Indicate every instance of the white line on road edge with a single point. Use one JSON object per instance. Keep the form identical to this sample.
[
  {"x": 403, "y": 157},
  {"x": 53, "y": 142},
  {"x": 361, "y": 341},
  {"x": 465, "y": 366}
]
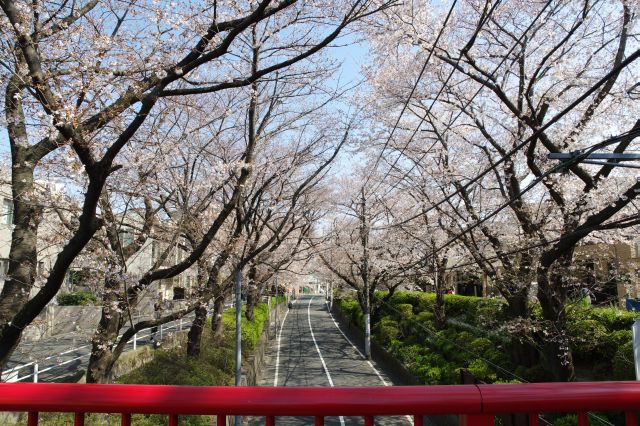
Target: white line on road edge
[
  {"x": 275, "y": 378},
  {"x": 384, "y": 382},
  {"x": 326, "y": 370}
]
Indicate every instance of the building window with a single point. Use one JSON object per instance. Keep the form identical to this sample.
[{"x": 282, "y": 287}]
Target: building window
[
  {"x": 126, "y": 238},
  {"x": 178, "y": 293},
  {"x": 7, "y": 211},
  {"x": 4, "y": 270},
  {"x": 154, "y": 251}
]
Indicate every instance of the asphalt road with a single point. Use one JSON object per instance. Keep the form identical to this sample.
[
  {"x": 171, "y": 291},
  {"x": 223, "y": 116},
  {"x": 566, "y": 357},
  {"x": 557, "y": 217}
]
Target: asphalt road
[
  {"x": 309, "y": 337},
  {"x": 64, "y": 358}
]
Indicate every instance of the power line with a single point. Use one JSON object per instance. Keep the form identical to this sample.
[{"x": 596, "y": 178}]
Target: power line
[
  {"x": 628, "y": 218},
  {"x": 424, "y": 117},
  {"x": 413, "y": 89},
  {"x": 579, "y": 157},
  {"x": 631, "y": 58},
  {"x": 466, "y": 48}
]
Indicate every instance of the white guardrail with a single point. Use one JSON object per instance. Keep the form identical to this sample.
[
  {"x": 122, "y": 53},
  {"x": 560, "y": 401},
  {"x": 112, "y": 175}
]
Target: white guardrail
[{"x": 34, "y": 367}]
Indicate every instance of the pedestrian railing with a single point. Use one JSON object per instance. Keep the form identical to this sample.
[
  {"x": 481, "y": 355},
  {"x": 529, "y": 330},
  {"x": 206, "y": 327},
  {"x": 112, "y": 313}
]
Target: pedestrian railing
[
  {"x": 476, "y": 405},
  {"x": 33, "y": 370}
]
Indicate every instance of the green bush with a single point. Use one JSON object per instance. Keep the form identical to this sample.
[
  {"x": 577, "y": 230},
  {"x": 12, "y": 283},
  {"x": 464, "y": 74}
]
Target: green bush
[
  {"x": 214, "y": 365},
  {"x": 481, "y": 370},
  {"x": 78, "y": 298},
  {"x": 405, "y": 310},
  {"x": 385, "y": 331},
  {"x": 568, "y": 420},
  {"x": 623, "y": 364},
  {"x": 614, "y": 319},
  {"x": 586, "y": 336},
  {"x": 462, "y": 306},
  {"x": 351, "y": 309},
  {"x": 251, "y": 330},
  {"x": 600, "y": 337}
]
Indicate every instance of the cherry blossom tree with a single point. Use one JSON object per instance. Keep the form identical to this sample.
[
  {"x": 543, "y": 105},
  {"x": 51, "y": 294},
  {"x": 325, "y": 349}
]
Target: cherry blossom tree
[
  {"x": 88, "y": 75},
  {"x": 502, "y": 88}
]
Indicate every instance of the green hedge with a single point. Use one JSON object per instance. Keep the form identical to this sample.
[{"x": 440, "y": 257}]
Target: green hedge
[
  {"x": 600, "y": 338},
  {"x": 78, "y": 298}
]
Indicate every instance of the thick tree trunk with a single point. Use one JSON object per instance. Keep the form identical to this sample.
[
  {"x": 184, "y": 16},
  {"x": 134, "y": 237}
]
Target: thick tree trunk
[
  {"x": 252, "y": 302},
  {"x": 253, "y": 296},
  {"x": 217, "y": 326},
  {"x": 194, "y": 337},
  {"x": 102, "y": 357},
  {"x": 552, "y": 294},
  {"x": 439, "y": 312},
  {"x": 522, "y": 351},
  {"x": 23, "y": 256}
]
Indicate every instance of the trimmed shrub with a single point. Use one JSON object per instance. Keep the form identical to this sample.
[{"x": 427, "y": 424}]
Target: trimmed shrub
[
  {"x": 623, "y": 364},
  {"x": 482, "y": 371},
  {"x": 77, "y": 298},
  {"x": 586, "y": 336},
  {"x": 352, "y": 311},
  {"x": 385, "y": 331}
]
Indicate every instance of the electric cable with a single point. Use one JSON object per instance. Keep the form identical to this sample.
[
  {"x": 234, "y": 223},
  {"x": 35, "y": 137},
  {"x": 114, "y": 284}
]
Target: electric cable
[
  {"x": 424, "y": 117},
  {"x": 466, "y": 48},
  {"x": 580, "y": 155},
  {"x": 631, "y": 58},
  {"x": 634, "y": 217}
]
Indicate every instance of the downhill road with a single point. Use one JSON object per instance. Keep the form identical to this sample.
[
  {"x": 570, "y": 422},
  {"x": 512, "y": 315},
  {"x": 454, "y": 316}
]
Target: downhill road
[{"x": 312, "y": 351}]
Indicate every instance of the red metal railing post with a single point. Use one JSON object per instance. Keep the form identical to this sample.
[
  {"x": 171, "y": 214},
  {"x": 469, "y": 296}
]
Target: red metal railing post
[
  {"x": 477, "y": 420},
  {"x": 319, "y": 421},
  {"x": 583, "y": 420},
  {"x": 270, "y": 421},
  {"x": 476, "y": 405},
  {"x": 126, "y": 419}
]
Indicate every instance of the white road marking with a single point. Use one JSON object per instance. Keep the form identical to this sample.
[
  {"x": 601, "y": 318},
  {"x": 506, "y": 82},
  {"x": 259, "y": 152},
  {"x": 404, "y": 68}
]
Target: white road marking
[
  {"x": 384, "y": 382},
  {"x": 275, "y": 379},
  {"x": 324, "y": 365}
]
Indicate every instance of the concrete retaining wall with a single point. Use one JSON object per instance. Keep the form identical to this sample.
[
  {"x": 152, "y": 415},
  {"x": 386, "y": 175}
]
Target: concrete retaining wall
[{"x": 55, "y": 320}]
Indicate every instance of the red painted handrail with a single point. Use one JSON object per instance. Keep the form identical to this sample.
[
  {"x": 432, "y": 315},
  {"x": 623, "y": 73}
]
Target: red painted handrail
[{"x": 477, "y": 404}]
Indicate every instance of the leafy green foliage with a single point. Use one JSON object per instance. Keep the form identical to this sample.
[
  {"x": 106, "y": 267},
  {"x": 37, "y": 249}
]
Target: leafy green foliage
[
  {"x": 623, "y": 365},
  {"x": 600, "y": 338},
  {"x": 214, "y": 365},
  {"x": 77, "y": 298}
]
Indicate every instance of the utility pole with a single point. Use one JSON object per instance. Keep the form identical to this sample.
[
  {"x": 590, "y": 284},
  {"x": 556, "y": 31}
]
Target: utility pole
[
  {"x": 365, "y": 278},
  {"x": 330, "y": 295},
  {"x": 238, "y": 335},
  {"x": 276, "y": 278}
]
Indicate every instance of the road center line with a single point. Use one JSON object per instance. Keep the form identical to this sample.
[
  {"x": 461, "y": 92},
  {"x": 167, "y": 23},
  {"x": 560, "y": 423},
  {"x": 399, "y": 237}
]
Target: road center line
[
  {"x": 275, "y": 378},
  {"x": 326, "y": 370}
]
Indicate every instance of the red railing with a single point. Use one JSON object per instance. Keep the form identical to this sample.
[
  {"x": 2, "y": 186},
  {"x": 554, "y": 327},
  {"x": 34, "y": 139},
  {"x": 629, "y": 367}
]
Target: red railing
[{"x": 476, "y": 404}]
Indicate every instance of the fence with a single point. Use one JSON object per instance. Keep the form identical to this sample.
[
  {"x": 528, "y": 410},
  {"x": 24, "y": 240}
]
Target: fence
[
  {"x": 50, "y": 363},
  {"x": 475, "y": 404}
]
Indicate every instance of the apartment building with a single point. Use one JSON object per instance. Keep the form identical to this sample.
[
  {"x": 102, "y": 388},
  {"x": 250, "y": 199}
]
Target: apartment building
[
  {"x": 83, "y": 269},
  {"x": 608, "y": 273}
]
